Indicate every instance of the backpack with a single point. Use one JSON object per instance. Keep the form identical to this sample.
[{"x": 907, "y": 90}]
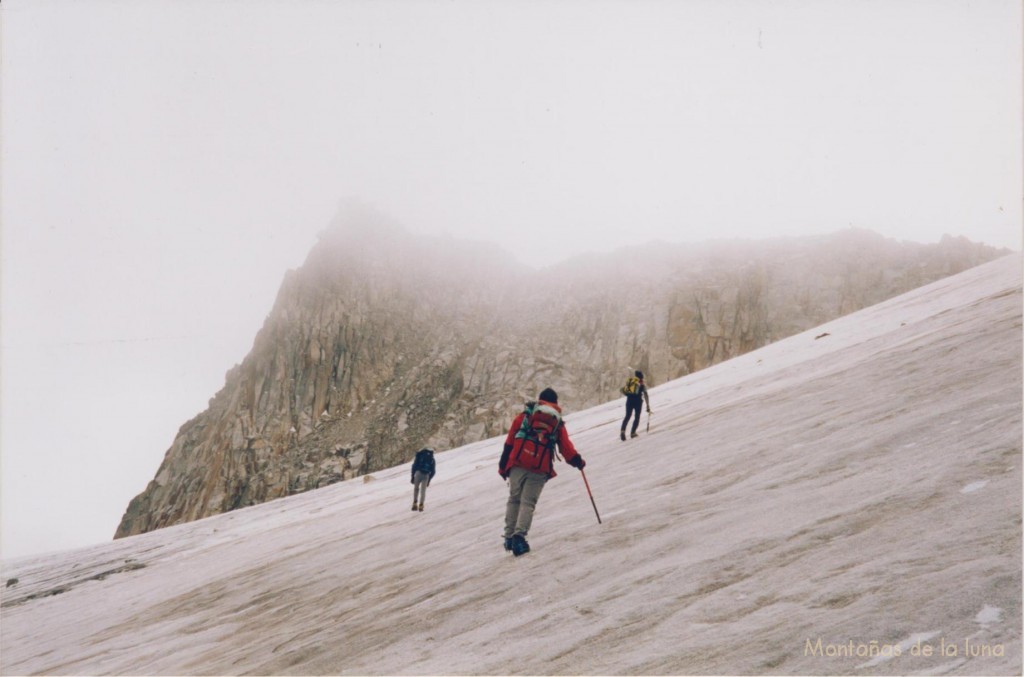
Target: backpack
[
  {"x": 424, "y": 461},
  {"x": 539, "y": 432},
  {"x": 632, "y": 386}
]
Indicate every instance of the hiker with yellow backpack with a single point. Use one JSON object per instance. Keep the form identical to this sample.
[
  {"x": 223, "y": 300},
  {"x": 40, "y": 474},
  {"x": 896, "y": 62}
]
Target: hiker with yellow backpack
[{"x": 636, "y": 394}]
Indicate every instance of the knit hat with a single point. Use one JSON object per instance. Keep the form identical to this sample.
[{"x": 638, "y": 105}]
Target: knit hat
[{"x": 548, "y": 395}]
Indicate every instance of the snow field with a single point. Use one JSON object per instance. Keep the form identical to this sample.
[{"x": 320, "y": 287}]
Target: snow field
[{"x": 862, "y": 489}]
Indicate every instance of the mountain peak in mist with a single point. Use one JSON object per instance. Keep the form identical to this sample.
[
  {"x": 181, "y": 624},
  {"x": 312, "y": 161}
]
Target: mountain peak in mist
[{"x": 385, "y": 341}]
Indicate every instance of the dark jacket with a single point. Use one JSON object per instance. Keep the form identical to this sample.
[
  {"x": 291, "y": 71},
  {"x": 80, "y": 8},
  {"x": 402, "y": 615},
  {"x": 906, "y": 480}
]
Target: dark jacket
[
  {"x": 424, "y": 462},
  {"x": 640, "y": 396}
]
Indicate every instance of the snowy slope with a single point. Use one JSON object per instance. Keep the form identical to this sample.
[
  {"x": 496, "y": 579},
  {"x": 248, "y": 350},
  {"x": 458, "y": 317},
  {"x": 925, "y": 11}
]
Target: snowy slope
[{"x": 860, "y": 487}]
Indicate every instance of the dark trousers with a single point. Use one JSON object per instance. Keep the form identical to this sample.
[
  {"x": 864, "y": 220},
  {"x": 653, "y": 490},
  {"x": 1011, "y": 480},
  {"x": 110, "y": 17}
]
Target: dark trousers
[{"x": 633, "y": 407}]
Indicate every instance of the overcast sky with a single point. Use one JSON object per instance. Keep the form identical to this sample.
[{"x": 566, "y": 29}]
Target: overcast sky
[{"x": 164, "y": 163}]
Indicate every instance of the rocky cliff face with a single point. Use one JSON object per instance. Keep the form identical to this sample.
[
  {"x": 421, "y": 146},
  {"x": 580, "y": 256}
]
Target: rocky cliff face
[{"x": 383, "y": 342}]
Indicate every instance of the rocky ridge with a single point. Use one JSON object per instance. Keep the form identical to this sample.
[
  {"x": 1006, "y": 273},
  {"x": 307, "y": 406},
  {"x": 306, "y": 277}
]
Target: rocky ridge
[{"x": 383, "y": 342}]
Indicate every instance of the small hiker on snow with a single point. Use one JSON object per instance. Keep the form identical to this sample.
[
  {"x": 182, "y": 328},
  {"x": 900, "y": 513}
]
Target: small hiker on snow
[
  {"x": 422, "y": 472},
  {"x": 636, "y": 394},
  {"x": 527, "y": 462}
]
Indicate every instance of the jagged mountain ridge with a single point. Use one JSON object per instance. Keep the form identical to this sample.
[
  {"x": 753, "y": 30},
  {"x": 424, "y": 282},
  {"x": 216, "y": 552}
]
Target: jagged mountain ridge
[{"x": 383, "y": 342}]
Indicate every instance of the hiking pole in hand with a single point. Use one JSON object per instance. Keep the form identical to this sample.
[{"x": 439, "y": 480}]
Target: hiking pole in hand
[
  {"x": 591, "y": 495},
  {"x": 648, "y": 420}
]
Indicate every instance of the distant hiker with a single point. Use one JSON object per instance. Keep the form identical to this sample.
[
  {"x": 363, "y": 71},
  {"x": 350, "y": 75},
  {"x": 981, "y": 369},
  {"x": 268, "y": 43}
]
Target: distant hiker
[
  {"x": 636, "y": 394},
  {"x": 422, "y": 472},
  {"x": 527, "y": 462}
]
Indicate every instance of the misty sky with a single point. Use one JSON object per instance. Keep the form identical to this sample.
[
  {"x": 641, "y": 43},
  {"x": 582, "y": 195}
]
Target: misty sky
[{"x": 164, "y": 163}]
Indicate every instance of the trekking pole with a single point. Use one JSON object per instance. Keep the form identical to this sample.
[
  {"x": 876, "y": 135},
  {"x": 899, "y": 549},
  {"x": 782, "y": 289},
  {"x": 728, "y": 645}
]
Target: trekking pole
[
  {"x": 591, "y": 495},
  {"x": 648, "y": 420}
]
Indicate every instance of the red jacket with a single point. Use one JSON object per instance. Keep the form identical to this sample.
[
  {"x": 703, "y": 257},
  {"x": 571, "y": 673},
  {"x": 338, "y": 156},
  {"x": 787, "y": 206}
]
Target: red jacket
[{"x": 513, "y": 454}]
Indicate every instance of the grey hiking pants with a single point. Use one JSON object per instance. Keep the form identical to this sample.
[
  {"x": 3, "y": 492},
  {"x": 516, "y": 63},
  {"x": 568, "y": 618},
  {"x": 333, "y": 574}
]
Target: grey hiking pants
[
  {"x": 524, "y": 489},
  {"x": 419, "y": 486}
]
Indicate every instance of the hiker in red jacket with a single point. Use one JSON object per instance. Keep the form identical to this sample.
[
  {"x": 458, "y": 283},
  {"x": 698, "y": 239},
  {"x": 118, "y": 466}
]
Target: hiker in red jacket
[{"x": 527, "y": 462}]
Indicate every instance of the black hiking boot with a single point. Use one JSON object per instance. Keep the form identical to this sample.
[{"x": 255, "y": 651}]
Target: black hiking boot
[
  {"x": 508, "y": 544},
  {"x": 622, "y": 435},
  {"x": 519, "y": 545},
  {"x": 633, "y": 434}
]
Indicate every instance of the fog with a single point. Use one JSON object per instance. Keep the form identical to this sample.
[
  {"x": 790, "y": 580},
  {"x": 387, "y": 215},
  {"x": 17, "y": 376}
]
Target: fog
[{"x": 164, "y": 164}]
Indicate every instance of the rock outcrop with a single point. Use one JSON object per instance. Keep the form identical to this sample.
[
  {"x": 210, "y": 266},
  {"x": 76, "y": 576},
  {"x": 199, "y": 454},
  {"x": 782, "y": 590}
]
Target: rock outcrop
[{"x": 383, "y": 342}]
